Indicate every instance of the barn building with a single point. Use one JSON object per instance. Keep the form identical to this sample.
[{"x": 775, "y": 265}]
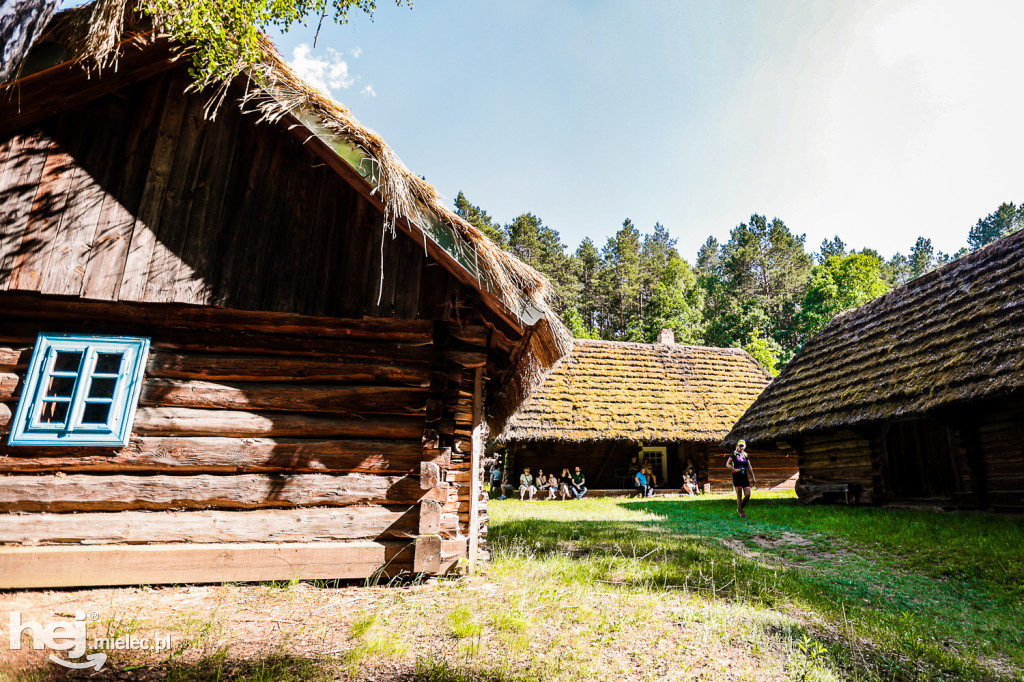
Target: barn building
[
  {"x": 669, "y": 405},
  {"x": 916, "y": 398},
  {"x": 246, "y": 347}
]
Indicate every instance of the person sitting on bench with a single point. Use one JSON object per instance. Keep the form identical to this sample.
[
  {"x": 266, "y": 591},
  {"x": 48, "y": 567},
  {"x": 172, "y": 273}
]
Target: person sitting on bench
[
  {"x": 579, "y": 484},
  {"x": 643, "y": 488}
]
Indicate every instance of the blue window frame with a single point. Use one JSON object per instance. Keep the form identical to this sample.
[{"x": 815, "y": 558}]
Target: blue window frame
[{"x": 80, "y": 390}]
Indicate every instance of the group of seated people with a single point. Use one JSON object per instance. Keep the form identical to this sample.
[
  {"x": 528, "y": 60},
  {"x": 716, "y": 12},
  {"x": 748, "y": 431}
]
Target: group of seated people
[
  {"x": 565, "y": 486},
  {"x": 645, "y": 480}
]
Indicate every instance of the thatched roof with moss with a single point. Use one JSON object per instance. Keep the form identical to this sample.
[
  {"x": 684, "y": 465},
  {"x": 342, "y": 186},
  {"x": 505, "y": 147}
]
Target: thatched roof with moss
[
  {"x": 612, "y": 390},
  {"x": 953, "y": 336},
  {"x": 96, "y": 37}
]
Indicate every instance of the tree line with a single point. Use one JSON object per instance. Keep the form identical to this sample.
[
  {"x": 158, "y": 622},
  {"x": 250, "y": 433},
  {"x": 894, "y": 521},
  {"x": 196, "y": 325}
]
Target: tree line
[{"x": 761, "y": 290}]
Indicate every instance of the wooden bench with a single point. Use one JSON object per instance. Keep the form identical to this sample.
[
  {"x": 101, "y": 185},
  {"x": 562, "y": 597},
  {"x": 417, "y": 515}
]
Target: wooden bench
[{"x": 810, "y": 492}]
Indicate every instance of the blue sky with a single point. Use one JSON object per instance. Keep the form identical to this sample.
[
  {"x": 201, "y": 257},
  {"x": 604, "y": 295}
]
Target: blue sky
[{"x": 875, "y": 120}]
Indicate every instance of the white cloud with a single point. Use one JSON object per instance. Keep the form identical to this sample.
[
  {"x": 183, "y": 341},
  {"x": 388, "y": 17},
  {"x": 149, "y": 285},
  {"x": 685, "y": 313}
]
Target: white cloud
[
  {"x": 369, "y": 91},
  {"x": 328, "y": 72},
  {"x": 357, "y": 52}
]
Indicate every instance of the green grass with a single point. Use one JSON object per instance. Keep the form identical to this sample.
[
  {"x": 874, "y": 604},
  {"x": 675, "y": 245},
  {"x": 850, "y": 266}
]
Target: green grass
[{"x": 879, "y": 593}]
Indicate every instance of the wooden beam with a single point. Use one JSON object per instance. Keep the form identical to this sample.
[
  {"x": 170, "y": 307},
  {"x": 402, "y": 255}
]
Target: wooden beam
[
  {"x": 172, "y": 421},
  {"x": 222, "y": 455},
  {"x": 270, "y": 368},
  {"x": 277, "y": 525},
  {"x": 283, "y": 397},
  {"x": 83, "y": 492},
  {"x": 427, "y": 557},
  {"x": 50, "y": 567},
  {"x": 430, "y": 517},
  {"x": 476, "y": 455},
  {"x": 167, "y": 315}
]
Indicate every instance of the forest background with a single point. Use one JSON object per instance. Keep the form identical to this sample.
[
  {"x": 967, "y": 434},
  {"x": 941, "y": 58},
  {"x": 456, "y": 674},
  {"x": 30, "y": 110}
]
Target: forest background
[{"x": 761, "y": 290}]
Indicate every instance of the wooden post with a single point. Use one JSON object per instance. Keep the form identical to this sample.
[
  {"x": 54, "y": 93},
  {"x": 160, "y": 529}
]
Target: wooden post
[{"x": 475, "y": 459}]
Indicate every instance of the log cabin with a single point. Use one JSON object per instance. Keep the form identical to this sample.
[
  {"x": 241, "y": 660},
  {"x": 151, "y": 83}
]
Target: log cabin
[
  {"x": 915, "y": 398},
  {"x": 666, "y": 404},
  {"x": 237, "y": 344}
]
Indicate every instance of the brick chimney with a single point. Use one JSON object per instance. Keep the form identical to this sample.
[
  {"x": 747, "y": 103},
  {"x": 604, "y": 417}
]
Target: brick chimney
[{"x": 666, "y": 336}]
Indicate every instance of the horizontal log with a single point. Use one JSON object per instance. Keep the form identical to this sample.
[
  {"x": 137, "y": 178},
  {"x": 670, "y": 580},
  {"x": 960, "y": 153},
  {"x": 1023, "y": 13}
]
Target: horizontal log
[
  {"x": 171, "y": 421},
  {"x": 9, "y": 385},
  {"x": 277, "y": 525},
  {"x": 270, "y": 368},
  {"x": 170, "y": 315},
  {"x": 39, "y": 567},
  {"x": 292, "y": 398},
  {"x": 12, "y": 358},
  {"x": 83, "y": 492},
  {"x": 211, "y": 340},
  {"x": 222, "y": 455}
]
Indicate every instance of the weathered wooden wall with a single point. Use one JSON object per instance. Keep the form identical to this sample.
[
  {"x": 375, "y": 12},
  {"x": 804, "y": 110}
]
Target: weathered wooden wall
[
  {"x": 969, "y": 456},
  {"x": 255, "y": 427},
  {"x": 156, "y": 203},
  {"x": 995, "y": 450},
  {"x": 774, "y": 470}
]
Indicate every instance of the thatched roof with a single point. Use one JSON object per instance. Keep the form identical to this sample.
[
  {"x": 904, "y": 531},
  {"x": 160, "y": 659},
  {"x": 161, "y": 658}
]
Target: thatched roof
[
  {"x": 953, "y": 336},
  {"x": 612, "y": 390},
  {"x": 96, "y": 33}
]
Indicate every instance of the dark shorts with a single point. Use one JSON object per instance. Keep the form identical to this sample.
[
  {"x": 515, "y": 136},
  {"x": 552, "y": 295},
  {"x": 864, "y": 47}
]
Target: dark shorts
[{"x": 740, "y": 481}]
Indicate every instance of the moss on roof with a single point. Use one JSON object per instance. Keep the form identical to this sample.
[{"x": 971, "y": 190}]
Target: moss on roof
[
  {"x": 953, "y": 336},
  {"x": 609, "y": 390}
]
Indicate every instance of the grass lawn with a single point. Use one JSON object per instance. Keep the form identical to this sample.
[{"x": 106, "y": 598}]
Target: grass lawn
[{"x": 610, "y": 589}]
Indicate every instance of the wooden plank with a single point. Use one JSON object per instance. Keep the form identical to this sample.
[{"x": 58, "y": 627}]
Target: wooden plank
[
  {"x": 427, "y": 555},
  {"x": 14, "y": 358},
  {"x": 430, "y": 474},
  {"x": 39, "y": 567},
  {"x": 196, "y": 267},
  {"x": 37, "y": 192},
  {"x": 83, "y": 492},
  {"x": 105, "y": 269},
  {"x": 222, "y": 455},
  {"x": 168, "y": 274},
  {"x": 270, "y": 368},
  {"x": 430, "y": 517},
  {"x": 172, "y": 421},
  {"x": 277, "y": 525},
  {"x": 476, "y": 455},
  {"x": 144, "y": 242},
  {"x": 284, "y": 397},
  {"x": 87, "y": 193}
]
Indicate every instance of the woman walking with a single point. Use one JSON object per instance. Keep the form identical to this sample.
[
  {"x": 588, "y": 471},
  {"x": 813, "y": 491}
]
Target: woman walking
[{"x": 742, "y": 476}]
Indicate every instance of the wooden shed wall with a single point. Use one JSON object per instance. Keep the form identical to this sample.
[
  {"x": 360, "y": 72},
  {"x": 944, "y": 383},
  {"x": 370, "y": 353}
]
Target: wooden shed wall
[
  {"x": 999, "y": 442},
  {"x": 969, "y": 456}
]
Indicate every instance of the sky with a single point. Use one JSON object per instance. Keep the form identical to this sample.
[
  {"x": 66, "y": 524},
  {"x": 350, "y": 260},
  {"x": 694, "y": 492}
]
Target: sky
[{"x": 877, "y": 121}]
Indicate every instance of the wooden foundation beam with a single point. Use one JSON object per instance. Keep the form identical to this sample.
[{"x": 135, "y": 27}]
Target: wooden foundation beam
[
  {"x": 49, "y": 567},
  {"x": 368, "y": 522}
]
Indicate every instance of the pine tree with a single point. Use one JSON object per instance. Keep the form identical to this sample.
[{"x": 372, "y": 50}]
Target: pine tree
[
  {"x": 478, "y": 218},
  {"x": 1004, "y": 221}
]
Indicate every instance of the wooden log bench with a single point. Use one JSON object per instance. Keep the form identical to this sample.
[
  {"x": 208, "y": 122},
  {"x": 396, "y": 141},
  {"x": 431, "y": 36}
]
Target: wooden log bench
[{"x": 811, "y": 492}]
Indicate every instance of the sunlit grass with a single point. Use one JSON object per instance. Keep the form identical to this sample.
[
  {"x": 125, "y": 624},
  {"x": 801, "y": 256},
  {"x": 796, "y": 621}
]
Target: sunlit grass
[{"x": 891, "y": 588}]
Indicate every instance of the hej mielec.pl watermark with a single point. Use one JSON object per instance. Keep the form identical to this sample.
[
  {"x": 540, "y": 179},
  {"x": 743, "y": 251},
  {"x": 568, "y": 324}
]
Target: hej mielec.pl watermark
[{"x": 71, "y": 637}]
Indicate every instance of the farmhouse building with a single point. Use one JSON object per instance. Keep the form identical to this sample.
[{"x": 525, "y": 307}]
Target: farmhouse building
[
  {"x": 247, "y": 347},
  {"x": 666, "y": 404},
  {"x": 914, "y": 398}
]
